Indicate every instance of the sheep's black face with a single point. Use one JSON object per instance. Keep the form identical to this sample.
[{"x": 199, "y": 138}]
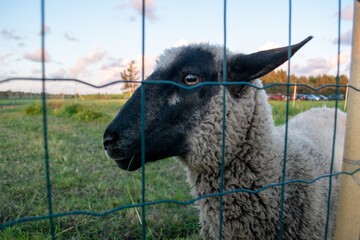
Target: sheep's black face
[{"x": 170, "y": 111}]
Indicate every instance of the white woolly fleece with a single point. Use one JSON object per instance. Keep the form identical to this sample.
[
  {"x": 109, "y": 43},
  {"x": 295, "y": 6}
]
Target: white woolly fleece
[{"x": 254, "y": 152}]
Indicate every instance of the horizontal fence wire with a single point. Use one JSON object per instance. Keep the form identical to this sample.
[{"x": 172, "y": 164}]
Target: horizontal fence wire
[
  {"x": 169, "y": 82},
  {"x": 191, "y": 201},
  {"x": 353, "y": 163},
  {"x": 224, "y": 83}
]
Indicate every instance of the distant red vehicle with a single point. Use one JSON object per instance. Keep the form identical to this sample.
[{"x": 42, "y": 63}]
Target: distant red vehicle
[{"x": 276, "y": 96}]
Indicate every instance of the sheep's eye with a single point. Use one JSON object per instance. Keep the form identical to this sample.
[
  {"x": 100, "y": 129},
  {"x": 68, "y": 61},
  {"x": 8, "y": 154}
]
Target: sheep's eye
[{"x": 191, "y": 79}]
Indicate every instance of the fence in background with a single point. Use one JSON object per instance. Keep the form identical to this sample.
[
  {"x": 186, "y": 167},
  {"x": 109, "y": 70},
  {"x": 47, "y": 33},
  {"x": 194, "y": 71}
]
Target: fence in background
[{"x": 143, "y": 203}]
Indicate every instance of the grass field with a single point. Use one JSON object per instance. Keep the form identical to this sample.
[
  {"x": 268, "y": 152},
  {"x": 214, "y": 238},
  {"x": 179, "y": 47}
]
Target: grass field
[{"x": 83, "y": 178}]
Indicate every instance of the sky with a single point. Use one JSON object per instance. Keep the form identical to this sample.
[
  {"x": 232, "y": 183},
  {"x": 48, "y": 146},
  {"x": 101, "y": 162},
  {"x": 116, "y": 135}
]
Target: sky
[{"x": 95, "y": 40}]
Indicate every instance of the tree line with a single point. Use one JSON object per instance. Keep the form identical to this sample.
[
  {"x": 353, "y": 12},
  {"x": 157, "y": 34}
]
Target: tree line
[
  {"x": 280, "y": 76},
  {"x": 29, "y": 95}
]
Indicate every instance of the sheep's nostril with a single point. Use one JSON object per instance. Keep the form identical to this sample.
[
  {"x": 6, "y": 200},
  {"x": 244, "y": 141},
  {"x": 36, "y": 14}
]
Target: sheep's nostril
[{"x": 108, "y": 141}]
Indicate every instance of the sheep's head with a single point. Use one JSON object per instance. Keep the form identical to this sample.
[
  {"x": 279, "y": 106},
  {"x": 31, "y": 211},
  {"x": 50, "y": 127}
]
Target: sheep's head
[{"x": 171, "y": 112}]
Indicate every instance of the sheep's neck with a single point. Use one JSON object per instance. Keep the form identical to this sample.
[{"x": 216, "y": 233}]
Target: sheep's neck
[
  {"x": 242, "y": 171},
  {"x": 251, "y": 153}
]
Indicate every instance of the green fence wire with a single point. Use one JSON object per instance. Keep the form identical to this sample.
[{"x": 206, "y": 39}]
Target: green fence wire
[
  {"x": 46, "y": 157},
  {"x": 223, "y": 127},
  {"x": 143, "y": 214},
  {"x": 335, "y": 122},
  {"x": 224, "y": 83},
  {"x": 286, "y": 128}
]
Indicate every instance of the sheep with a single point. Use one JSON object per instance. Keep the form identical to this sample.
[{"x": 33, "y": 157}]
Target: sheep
[{"x": 187, "y": 124}]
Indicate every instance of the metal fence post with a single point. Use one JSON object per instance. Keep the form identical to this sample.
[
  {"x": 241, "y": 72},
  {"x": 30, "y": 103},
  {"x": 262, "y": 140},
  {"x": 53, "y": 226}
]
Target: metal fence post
[{"x": 348, "y": 215}]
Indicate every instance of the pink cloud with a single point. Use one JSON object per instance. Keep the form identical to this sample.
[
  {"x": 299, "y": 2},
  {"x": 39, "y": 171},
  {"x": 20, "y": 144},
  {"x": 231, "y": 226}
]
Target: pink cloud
[
  {"x": 2, "y": 58},
  {"x": 345, "y": 38},
  {"x": 37, "y": 56},
  {"x": 61, "y": 73},
  {"x": 113, "y": 63},
  {"x": 137, "y": 5},
  {"x": 150, "y": 63},
  {"x": 83, "y": 62},
  {"x": 36, "y": 71},
  {"x": 111, "y": 71},
  {"x": 347, "y": 13},
  {"x": 47, "y": 30},
  {"x": 149, "y": 8},
  {"x": 319, "y": 65}
]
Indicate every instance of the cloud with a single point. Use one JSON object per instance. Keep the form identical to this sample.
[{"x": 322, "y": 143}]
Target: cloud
[
  {"x": 111, "y": 70},
  {"x": 46, "y": 30},
  {"x": 137, "y": 5},
  {"x": 268, "y": 45},
  {"x": 345, "y": 38},
  {"x": 314, "y": 66},
  {"x": 110, "y": 74},
  {"x": 347, "y": 13},
  {"x": 10, "y": 34},
  {"x": 181, "y": 42},
  {"x": 132, "y": 19},
  {"x": 318, "y": 65},
  {"x": 36, "y": 71},
  {"x": 70, "y": 36},
  {"x": 150, "y": 62},
  {"x": 61, "y": 73},
  {"x": 3, "y": 57},
  {"x": 113, "y": 63},
  {"x": 149, "y": 8},
  {"x": 37, "y": 56},
  {"x": 84, "y": 62},
  {"x": 95, "y": 48},
  {"x": 184, "y": 42}
]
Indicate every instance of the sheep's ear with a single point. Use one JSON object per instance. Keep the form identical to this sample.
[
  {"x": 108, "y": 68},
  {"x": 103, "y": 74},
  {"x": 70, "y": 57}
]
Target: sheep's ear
[{"x": 244, "y": 68}]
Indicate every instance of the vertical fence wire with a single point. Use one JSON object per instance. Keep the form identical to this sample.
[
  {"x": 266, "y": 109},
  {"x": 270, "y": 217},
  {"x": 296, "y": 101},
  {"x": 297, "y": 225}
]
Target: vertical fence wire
[
  {"x": 286, "y": 130},
  {"x": 143, "y": 200},
  {"x": 223, "y": 123},
  {"x": 46, "y": 158},
  {"x": 335, "y": 121}
]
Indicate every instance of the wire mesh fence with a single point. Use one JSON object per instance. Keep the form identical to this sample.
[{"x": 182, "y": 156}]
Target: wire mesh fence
[{"x": 143, "y": 204}]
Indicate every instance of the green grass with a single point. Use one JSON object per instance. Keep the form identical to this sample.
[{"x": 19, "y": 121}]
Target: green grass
[
  {"x": 279, "y": 108},
  {"x": 83, "y": 178}
]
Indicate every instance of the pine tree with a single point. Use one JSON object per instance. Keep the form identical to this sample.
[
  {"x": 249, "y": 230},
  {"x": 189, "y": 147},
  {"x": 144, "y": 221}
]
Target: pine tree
[{"x": 130, "y": 74}]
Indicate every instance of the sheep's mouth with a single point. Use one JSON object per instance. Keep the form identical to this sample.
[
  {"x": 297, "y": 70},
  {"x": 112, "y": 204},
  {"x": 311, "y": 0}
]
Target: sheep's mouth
[{"x": 129, "y": 163}]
